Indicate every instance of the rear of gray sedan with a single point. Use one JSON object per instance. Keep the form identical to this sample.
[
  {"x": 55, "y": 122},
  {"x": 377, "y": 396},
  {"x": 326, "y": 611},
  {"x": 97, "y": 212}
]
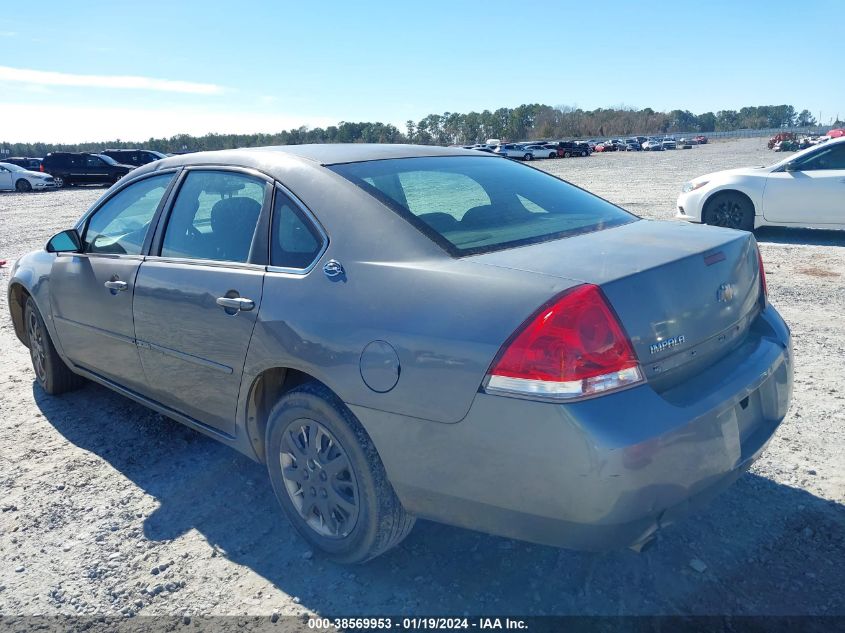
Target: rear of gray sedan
[{"x": 645, "y": 374}]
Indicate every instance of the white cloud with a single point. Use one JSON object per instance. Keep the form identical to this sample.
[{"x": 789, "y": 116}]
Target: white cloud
[
  {"x": 131, "y": 82},
  {"x": 75, "y": 124}
]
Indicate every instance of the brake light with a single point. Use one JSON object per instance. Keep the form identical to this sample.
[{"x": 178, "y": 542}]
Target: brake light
[
  {"x": 572, "y": 347},
  {"x": 763, "y": 286},
  {"x": 41, "y": 167}
]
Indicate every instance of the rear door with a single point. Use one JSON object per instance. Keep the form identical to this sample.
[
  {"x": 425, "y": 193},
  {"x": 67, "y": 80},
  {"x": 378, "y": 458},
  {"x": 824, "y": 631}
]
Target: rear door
[
  {"x": 814, "y": 193},
  {"x": 91, "y": 292},
  {"x": 198, "y": 294},
  {"x": 95, "y": 170}
]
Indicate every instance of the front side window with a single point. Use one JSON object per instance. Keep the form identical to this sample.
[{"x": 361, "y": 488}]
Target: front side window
[
  {"x": 94, "y": 161},
  {"x": 473, "y": 204},
  {"x": 296, "y": 242},
  {"x": 214, "y": 217},
  {"x": 832, "y": 157},
  {"x": 121, "y": 224}
]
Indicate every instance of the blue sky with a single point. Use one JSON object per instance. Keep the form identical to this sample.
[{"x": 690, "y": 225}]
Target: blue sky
[{"x": 93, "y": 70}]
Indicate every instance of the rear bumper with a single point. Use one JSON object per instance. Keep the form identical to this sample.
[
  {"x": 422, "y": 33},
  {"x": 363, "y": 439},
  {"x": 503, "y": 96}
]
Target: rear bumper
[{"x": 597, "y": 474}]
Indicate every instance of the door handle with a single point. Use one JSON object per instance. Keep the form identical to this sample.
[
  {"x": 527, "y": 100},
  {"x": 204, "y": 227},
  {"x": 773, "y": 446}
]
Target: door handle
[
  {"x": 116, "y": 285},
  {"x": 236, "y": 303}
]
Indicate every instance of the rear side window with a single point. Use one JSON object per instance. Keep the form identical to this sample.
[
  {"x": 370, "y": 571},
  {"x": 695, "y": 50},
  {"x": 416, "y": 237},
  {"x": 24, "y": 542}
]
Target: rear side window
[
  {"x": 214, "y": 217},
  {"x": 296, "y": 241},
  {"x": 473, "y": 204},
  {"x": 121, "y": 224}
]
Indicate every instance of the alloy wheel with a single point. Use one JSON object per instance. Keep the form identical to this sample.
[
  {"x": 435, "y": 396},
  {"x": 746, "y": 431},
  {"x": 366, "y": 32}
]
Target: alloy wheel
[
  {"x": 729, "y": 214},
  {"x": 319, "y": 479},
  {"x": 36, "y": 347}
]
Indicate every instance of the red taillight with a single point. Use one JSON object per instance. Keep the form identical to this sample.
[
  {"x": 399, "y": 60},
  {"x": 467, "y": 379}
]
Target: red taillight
[
  {"x": 41, "y": 167},
  {"x": 573, "y": 347},
  {"x": 763, "y": 287}
]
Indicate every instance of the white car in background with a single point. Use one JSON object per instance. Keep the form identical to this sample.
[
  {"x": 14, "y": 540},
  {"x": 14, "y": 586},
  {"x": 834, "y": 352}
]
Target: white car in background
[
  {"x": 14, "y": 178},
  {"x": 807, "y": 190},
  {"x": 515, "y": 150}
]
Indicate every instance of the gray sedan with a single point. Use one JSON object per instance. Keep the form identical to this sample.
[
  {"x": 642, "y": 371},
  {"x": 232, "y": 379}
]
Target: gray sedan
[{"x": 401, "y": 332}]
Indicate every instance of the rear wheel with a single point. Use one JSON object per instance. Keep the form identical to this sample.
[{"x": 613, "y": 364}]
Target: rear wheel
[
  {"x": 730, "y": 209},
  {"x": 566, "y": 154},
  {"x": 329, "y": 478},
  {"x": 527, "y": 156},
  {"x": 23, "y": 185},
  {"x": 50, "y": 370}
]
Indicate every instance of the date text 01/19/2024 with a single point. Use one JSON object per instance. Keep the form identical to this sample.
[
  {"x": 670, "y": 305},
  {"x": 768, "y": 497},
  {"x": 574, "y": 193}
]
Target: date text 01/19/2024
[{"x": 416, "y": 623}]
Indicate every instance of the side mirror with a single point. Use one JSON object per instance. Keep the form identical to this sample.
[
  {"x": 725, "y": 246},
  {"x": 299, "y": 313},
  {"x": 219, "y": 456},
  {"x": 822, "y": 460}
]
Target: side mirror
[{"x": 65, "y": 242}]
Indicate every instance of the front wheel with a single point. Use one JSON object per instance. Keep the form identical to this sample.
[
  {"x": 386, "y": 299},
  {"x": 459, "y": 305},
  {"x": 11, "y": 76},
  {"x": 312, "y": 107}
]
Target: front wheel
[
  {"x": 527, "y": 156},
  {"x": 329, "y": 478},
  {"x": 52, "y": 374},
  {"x": 23, "y": 185},
  {"x": 731, "y": 210}
]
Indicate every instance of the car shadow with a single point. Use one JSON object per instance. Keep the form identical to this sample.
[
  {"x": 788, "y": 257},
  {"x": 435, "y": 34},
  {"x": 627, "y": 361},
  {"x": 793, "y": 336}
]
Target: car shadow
[
  {"x": 813, "y": 237},
  {"x": 768, "y": 548}
]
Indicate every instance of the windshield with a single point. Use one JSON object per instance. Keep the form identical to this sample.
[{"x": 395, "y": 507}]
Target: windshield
[
  {"x": 108, "y": 159},
  {"x": 472, "y": 205},
  {"x": 12, "y": 167}
]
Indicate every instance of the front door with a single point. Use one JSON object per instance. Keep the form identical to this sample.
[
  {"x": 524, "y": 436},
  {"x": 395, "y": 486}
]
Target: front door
[
  {"x": 6, "y": 180},
  {"x": 196, "y": 304},
  {"x": 91, "y": 292},
  {"x": 813, "y": 193}
]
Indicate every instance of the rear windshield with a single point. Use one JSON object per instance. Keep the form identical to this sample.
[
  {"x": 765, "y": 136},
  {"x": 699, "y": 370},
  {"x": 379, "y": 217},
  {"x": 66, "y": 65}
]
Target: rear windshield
[{"x": 472, "y": 205}]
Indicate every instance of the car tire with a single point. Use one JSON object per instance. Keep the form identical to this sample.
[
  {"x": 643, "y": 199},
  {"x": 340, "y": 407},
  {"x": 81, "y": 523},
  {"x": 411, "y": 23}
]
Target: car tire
[
  {"x": 59, "y": 182},
  {"x": 527, "y": 156},
  {"x": 583, "y": 154},
  {"x": 729, "y": 209},
  {"x": 348, "y": 511},
  {"x": 567, "y": 155},
  {"x": 553, "y": 155},
  {"x": 51, "y": 372},
  {"x": 23, "y": 185}
]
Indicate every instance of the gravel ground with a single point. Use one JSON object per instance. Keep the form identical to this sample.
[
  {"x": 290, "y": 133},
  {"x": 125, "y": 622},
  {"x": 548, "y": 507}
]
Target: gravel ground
[{"x": 109, "y": 508}]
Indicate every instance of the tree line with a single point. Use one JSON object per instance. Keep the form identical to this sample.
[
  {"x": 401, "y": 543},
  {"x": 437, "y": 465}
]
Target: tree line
[{"x": 525, "y": 122}]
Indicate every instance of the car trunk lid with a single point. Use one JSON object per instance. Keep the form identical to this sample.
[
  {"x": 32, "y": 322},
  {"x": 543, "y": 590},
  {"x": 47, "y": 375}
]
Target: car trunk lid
[{"x": 685, "y": 294}]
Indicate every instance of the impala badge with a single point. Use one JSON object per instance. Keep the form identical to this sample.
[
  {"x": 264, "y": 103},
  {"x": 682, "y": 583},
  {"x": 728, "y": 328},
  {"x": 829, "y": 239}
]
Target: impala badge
[
  {"x": 726, "y": 293},
  {"x": 674, "y": 341}
]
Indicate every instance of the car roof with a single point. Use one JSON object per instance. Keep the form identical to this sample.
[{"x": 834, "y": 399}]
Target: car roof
[{"x": 334, "y": 153}]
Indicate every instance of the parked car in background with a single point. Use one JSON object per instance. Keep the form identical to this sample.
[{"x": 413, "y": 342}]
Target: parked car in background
[
  {"x": 28, "y": 163},
  {"x": 514, "y": 150},
  {"x": 641, "y": 139},
  {"x": 701, "y": 139},
  {"x": 567, "y": 149},
  {"x": 541, "y": 365},
  {"x": 632, "y": 145},
  {"x": 779, "y": 137},
  {"x": 686, "y": 143},
  {"x": 136, "y": 157},
  {"x": 542, "y": 151},
  {"x": 653, "y": 145},
  {"x": 82, "y": 168},
  {"x": 805, "y": 189},
  {"x": 16, "y": 178},
  {"x": 669, "y": 143}
]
